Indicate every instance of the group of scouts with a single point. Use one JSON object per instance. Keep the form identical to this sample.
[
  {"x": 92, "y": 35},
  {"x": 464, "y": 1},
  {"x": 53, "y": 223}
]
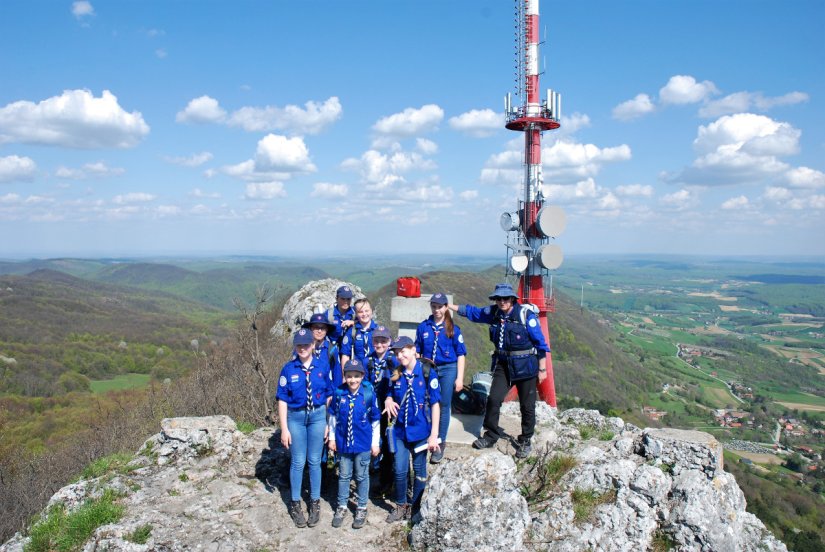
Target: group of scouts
[{"x": 378, "y": 402}]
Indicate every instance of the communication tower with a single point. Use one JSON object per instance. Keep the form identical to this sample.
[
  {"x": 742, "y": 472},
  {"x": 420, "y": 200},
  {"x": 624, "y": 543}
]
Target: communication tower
[{"x": 531, "y": 228}]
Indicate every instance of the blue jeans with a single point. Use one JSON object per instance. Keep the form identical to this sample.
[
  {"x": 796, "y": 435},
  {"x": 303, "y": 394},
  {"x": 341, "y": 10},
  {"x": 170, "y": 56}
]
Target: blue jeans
[
  {"x": 361, "y": 463},
  {"x": 403, "y": 450},
  {"x": 307, "y": 431},
  {"x": 447, "y": 374}
]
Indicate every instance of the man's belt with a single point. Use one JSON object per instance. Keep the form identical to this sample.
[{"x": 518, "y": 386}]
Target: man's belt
[{"x": 520, "y": 352}]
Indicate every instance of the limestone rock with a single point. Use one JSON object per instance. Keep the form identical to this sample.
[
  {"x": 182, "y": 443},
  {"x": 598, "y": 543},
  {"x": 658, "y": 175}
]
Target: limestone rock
[
  {"x": 682, "y": 450},
  {"x": 315, "y": 296},
  {"x": 473, "y": 505}
]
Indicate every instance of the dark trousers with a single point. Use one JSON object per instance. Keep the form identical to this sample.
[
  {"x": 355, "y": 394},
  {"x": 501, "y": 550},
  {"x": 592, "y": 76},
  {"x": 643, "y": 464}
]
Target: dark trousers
[{"x": 527, "y": 392}]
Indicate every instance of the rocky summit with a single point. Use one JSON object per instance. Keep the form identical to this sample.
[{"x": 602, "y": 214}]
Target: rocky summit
[{"x": 592, "y": 483}]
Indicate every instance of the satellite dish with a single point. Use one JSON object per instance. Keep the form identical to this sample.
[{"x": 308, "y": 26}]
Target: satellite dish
[
  {"x": 519, "y": 263},
  {"x": 550, "y": 256},
  {"x": 551, "y": 221},
  {"x": 510, "y": 221}
]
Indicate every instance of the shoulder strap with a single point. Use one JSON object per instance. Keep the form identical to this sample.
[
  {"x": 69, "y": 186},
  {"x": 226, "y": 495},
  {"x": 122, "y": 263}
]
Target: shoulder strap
[
  {"x": 369, "y": 394},
  {"x": 332, "y": 353}
]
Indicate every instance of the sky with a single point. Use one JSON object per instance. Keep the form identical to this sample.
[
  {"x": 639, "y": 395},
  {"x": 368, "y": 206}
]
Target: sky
[{"x": 132, "y": 128}]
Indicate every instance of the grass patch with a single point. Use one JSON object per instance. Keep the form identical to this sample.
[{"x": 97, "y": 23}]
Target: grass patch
[
  {"x": 605, "y": 435},
  {"x": 586, "y": 432},
  {"x": 114, "y": 463},
  {"x": 662, "y": 542},
  {"x": 140, "y": 535},
  {"x": 119, "y": 383},
  {"x": 586, "y": 502},
  {"x": 246, "y": 428},
  {"x": 183, "y": 477},
  {"x": 542, "y": 475},
  {"x": 60, "y": 530}
]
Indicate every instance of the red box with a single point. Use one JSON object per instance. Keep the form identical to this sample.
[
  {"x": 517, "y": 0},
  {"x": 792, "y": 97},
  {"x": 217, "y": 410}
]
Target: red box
[{"x": 408, "y": 286}]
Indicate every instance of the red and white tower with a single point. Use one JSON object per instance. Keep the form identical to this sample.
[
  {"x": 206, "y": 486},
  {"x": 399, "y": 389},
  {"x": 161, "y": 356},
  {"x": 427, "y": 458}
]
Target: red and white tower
[{"x": 530, "y": 255}]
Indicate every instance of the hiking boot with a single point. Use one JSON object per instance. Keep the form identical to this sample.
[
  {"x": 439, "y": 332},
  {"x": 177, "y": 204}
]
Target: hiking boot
[
  {"x": 314, "y": 513},
  {"x": 360, "y": 518},
  {"x": 524, "y": 449},
  {"x": 438, "y": 455},
  {"x": 297, "y": 514},
  {"x": 400, "y": 513},
  {"x": 483, "y": 442},
  {"x": 338, "y": 518}
]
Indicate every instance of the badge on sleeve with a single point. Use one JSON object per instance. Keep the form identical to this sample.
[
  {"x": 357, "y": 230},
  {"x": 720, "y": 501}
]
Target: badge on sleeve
[
  {"x": 532, "y": 323},
  {"x": 282, "y": 381},
  {"x": 434, "y": 383},
  {"x": 461, "y": 339}
]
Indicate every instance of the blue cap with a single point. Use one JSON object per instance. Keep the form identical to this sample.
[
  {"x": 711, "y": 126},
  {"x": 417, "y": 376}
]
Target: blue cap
[
  {"x": 303, "y": 337},
  {"x": 382, "y": 331},
  {"x": 319, "y": 318},
  {"x": 503, "y": 290},
  {"x": 439, "y": 299},
  {"x": 354, "y": 365},
  {"x": 402, "y": 341},
  {"x": 344, "y": 292}
]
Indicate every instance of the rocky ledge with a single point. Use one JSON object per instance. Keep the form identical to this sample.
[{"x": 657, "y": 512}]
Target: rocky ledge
[{"x": 592, "y": 483}]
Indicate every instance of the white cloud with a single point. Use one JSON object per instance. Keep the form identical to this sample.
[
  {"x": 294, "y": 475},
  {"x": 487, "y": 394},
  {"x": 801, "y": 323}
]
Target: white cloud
[
  {"x": 631, "y": 109},
  {"x": 279, "y": 153},
  {"x": 679, "y": 201},
  {"x": 740, "y": 102},
  {"x": 14, "y": 168},
  {"x": 683, "y": 89},
  {"x": 427, "y": 147},
  {"x": 329, "y": 191},
  {"x": 467, "y": 195},
  {"x": 161, "y": 53},
  {"x": 736, "y": 203},
  {"x": 380, "y": 170},
  {"x": 804, "y": 177},
  {"x": 741, "y": 149},
  {"x": 478, "y": 123},
  {"x": 133, "y": 197},
  {"x": 198, "y": 193},
  {"x": 411, "y": 121},
  {"x": 9, "y": 198},
  {"x": 89, "y": 170},
  {"x": 635, "y": 190},
  {"x": 777, "y": 194},
  {"x": 817, "y": 201},
  {"x": 167, "y": 210},
  {"x": 203, "y": 109},
  {"x": 312, "y": 119},
  {"x": 574, "y": 122},
  {"x": 585, "y": 189},
  {"x": 82, "y": 8},
  {"x": 194, "y": 160},
  {"x": 265, "y": 190},
  {"x": 75, "y": 119}
]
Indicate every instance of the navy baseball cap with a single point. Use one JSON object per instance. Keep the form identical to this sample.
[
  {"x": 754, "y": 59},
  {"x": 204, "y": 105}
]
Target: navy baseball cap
[
  {"x": 354, "y": 365},
  {"x": 344, "y": 292},
  {"x": 382, "y": 331},
  {"x": 303, "y": 337},
  {"x": 503, "y": 290},
  {"x": 439, "y": 299},
  {"x": 319, "y": 318},
  {"x": 402, "y": 341}
]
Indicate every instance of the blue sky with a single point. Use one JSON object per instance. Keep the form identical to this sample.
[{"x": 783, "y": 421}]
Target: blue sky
[{"x": 157, "y": 127}]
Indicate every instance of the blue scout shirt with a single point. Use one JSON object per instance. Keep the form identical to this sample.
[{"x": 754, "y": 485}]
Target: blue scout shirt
[
  {"x": 513, "y": 329},
  {"x": 357, "y": 341},
  {"x": 431, "y": 336},
  {"x": 357, "y": 436},
  {"x": 292, "y": 384},
  {"x": 322, "y": 357},
  {"x": 334, "y": 316},
  {"x": 379, "y": 370},
  {"x": 411, "y": 424}
]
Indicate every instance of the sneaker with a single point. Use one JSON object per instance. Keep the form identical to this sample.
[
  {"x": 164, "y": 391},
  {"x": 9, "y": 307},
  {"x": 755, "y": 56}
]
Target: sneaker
[
  {"x": 438, "y": 455},
  {"x": 338, "y": 518},
  {"x": 484, "y": 442},
  {"x": 524, "y": 449},
  {"x": 360, "y": 518},
  {"x": 314, "y": 513},
  {"x": 400, "y": 512},
  {"x": 297, "y": 514}
]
